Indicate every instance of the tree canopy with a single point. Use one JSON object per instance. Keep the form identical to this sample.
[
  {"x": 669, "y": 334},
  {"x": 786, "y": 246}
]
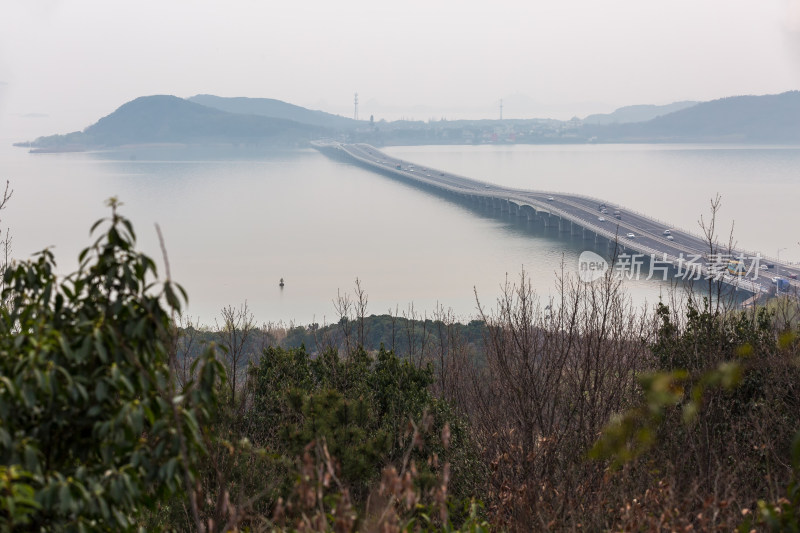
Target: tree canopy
[{"x": 92, "y": 429}]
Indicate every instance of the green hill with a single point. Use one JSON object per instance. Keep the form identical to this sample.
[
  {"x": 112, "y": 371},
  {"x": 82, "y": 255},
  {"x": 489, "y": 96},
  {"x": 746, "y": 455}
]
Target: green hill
[
  {"x": 169, "y": 119},
  {"x": 746, "y": 119},
  {"x": 636, "y": 113},
  {"x": 269, "y": 107}
]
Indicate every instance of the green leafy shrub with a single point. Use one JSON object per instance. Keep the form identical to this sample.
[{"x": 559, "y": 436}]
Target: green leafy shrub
[{"x": 92, "y": 430}]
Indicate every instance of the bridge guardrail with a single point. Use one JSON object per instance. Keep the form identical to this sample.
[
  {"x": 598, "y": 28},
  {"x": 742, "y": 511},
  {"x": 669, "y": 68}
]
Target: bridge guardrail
[
  {"x": 693, "y": 233},
  {"x": 525, "y": 200},
  {"x": 543, "y": 206}
]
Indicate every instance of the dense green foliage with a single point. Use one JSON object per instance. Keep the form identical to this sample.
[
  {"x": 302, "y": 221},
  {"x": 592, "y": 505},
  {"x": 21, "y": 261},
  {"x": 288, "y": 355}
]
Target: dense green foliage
[
  {"x": 360, "y": 406},
  {"x": 91, "y": 430},
  {"x": 722, "y": 404},
  {"x": 353, "y": 417},
  {"x": 706, "y": 339},
  {"x": 401, "y": 335}
]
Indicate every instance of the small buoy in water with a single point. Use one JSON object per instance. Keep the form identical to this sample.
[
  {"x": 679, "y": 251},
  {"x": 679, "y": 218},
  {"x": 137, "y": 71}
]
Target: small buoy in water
[{"x": 281, "y": 283}]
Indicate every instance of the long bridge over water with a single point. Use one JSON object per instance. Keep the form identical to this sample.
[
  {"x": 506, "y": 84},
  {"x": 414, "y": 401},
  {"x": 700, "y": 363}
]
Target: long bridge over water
[{"x": 634, "y": 232}]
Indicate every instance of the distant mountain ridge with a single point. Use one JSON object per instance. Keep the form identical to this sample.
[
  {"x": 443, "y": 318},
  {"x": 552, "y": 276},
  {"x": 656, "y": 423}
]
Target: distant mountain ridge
[
  {"x": 269, "y": 107},
  {"x": 162, "y": 119},
  {"x": 747, "y": 119},
  {"x": 637, "y": 113},
  {"x": 261, "y": 122}
]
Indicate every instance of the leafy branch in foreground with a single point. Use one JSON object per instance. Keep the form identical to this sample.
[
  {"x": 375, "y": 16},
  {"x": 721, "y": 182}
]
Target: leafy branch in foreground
[
  {"x": 92, "y": 429},
  {"x": 738, "y": 381},
  {"x": 631, "y": 434}
]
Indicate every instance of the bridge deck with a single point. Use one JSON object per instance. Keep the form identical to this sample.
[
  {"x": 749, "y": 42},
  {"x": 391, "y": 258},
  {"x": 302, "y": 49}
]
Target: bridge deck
[{"x": 582, "y": 211}]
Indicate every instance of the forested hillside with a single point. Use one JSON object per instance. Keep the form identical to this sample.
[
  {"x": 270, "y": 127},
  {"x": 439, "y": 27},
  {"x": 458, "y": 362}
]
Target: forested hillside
[
  {"x": 169, "y": 119},
  {"x": 269, "y": 107},
  {"x": 585, "y": 415},
  {"x": 747, "y": 119}
]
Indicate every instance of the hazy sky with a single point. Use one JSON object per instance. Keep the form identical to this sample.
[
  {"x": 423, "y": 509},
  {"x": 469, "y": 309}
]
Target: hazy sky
[{"x": 78, "y": 60}]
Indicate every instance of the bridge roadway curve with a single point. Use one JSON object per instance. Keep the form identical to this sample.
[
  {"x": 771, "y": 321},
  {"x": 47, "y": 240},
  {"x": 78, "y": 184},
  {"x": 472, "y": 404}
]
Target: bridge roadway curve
[{"x": 575, "y": 210}]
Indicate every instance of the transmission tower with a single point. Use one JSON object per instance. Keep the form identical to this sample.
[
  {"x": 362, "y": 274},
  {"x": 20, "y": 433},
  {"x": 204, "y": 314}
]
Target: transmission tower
[
  {"x": 355, "y": 113},
  {"x": 501, "y": 109}
]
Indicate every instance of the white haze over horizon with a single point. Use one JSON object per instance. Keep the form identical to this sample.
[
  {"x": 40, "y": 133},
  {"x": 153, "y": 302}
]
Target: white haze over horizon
[{"x": 66, "y": 63}]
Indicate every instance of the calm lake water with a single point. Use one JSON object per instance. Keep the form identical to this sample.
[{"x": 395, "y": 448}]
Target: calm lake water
[{"x": 235, "y": 223}]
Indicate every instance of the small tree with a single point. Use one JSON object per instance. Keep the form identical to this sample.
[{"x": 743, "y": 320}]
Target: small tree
[
  {"x": 5, "y": 240},
  {"x": 238, "y": 326},
  {"x": 91, "y": 426}
]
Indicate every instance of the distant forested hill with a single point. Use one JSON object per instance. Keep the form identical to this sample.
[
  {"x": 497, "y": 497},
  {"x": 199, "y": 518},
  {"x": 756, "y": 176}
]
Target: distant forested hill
[
  {"x": 636, "y": 113},
  {"x": 169, "y": 119},
  {"x": 269, "y": 107},
  {"x": 747, "y": 119}
]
